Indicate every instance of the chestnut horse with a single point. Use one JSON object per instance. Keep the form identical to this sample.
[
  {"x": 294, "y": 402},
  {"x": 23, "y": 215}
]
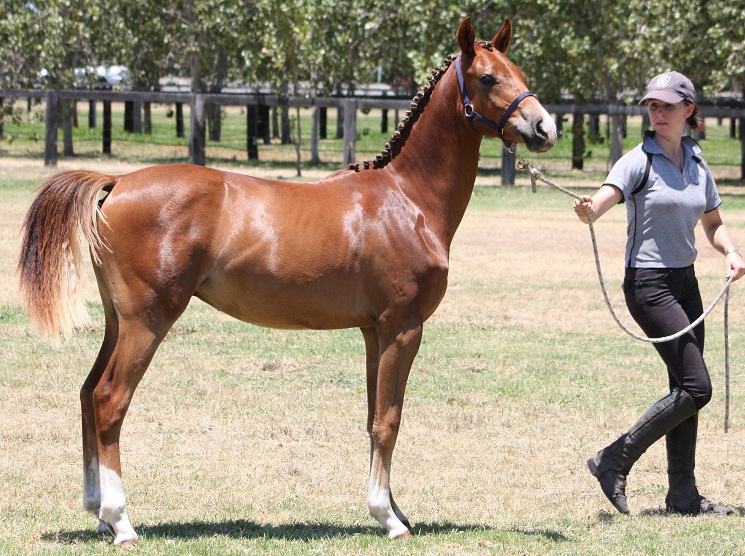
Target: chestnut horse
[{"x": 366, "y": 247}]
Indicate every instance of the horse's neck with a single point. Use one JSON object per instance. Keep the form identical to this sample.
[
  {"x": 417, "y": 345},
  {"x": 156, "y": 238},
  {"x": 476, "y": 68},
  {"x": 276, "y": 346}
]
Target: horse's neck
[{"x": 438, "y": 164}]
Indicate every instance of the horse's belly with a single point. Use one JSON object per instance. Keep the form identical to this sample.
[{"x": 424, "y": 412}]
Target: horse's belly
[{"x": 277, "y": 305}]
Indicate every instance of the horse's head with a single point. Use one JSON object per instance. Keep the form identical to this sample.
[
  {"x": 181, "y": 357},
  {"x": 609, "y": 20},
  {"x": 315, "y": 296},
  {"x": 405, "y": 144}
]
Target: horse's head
[{"x": 497, "y": 101}]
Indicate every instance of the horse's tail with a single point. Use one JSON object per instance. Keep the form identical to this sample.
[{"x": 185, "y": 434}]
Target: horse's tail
[{"x": 49, "y": 266}]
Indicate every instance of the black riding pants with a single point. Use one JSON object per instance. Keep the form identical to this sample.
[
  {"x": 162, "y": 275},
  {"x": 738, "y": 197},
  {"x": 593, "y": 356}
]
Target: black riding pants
[{"x": 664, "y": 301}]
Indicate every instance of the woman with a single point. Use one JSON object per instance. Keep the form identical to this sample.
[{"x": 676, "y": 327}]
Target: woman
[{"x": 667, "y": 188}]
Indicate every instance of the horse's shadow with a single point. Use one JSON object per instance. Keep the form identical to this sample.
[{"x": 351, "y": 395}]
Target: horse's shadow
[{"x": 245, "y": 529}]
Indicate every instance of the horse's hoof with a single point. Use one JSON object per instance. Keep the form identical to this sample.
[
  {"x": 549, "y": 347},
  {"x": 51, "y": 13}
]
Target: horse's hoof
[
  {"x": 403, "y": 536},
  {"x": 125, "y": 540}
]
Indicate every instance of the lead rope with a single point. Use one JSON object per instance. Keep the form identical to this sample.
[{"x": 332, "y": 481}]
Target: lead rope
[{"x": 535, "y": 175}]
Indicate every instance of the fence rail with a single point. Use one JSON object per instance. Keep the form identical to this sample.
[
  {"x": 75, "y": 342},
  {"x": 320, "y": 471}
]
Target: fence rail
[{"x": 350, "y": 105}]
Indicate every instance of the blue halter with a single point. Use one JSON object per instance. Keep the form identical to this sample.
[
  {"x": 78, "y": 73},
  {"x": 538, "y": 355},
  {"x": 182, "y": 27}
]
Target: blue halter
[{"x": 470, "y": 111}]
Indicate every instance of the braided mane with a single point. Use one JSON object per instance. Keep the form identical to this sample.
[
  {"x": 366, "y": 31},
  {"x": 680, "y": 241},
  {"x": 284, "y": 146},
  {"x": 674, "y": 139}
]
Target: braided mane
[{"x": 398, "y": 139}]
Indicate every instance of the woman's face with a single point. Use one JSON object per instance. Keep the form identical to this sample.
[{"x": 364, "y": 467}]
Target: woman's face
[{"x": 667, "y": 119}]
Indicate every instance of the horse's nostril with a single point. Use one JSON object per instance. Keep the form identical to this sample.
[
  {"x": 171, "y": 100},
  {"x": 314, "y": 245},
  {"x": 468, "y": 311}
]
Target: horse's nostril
[{"x": 540, "y": 131}]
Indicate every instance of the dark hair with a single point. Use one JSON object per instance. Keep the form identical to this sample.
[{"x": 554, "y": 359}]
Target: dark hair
[{"x": 696, "y": 120}]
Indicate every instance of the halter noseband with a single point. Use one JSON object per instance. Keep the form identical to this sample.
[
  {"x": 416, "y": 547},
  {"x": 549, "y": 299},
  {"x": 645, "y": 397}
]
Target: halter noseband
[{"x": 470, "y": 111}]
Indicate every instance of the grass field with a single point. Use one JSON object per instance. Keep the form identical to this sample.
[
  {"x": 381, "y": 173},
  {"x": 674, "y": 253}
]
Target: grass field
[{"x": 243, "y": 440}]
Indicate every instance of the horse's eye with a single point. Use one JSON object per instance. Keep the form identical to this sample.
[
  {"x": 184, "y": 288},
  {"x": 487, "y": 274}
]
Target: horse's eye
[{"x": 487, "y": 80}]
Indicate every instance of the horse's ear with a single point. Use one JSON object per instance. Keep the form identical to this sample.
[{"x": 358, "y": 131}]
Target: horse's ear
[
  {"x": 503, "y": 37},
  {"x": 466, "y": 37}
]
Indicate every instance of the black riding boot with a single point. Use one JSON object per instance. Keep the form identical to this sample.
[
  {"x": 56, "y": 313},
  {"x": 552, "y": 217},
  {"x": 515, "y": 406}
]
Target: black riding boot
[
  {"x": 682, "y": 496},
  {"x": 611, "y": 464}
]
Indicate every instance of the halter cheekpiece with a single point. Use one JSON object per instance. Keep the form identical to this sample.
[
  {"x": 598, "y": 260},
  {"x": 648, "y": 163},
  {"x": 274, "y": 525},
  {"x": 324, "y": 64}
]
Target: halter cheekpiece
[{"x": 471, "y": 113}]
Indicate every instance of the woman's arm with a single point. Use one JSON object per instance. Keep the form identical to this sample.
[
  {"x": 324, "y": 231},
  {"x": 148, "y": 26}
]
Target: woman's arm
[
  {"x": 720, "y": 238},
  {"x": 592, "y": 208}
]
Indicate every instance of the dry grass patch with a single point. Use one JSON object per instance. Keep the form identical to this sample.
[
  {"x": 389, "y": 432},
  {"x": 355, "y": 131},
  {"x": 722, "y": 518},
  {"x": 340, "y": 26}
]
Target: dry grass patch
[{"x": 246, "y": 440}]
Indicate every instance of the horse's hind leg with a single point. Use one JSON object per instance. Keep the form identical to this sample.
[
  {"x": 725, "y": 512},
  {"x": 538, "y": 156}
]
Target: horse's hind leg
[
  {"x": 135, "y": 347},
  {"x": 91, "y": 479}
]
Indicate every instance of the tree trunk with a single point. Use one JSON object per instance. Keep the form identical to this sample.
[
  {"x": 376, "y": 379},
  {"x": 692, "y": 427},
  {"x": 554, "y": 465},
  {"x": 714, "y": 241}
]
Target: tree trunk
[
  {"x": 593, "y": 133},
  {"x": 286, "y": 131},
  {"x": 197, "y": 131},
  {"x": 616, "y": 133},
  {"x": 137, "y": 117},
  {"x": 275, "y": 122},
  {"x": 298, "y": 143},
  {"x": 52, "y": 120},
  {"x": 349, "y": 132},
  {"x": 214, "y": 121},
  {"x": 264, "y": 127}
]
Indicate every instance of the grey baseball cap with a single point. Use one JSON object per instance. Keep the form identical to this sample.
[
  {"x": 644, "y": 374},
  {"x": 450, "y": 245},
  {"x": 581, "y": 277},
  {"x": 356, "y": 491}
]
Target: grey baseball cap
[{"x": 670, "y": 87}]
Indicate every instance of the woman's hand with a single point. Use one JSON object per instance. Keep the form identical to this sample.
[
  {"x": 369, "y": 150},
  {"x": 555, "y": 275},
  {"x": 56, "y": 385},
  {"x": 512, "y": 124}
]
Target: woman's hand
[
  {"x": 734, "y": 265},
  {"x": 591, "y": 208},
  {"x": 584, "y": 208}
]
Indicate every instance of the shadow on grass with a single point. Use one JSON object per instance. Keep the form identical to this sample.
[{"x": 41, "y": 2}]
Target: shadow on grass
[
  {"x": 662, "y": 512},
  {"x": 244, "y": 529}
]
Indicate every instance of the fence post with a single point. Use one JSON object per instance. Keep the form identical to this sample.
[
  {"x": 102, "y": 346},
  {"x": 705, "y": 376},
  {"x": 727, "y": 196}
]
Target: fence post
[
  {"x": 322, "y": 119},
  {"x": 197, "y": 130},
  {"x": 51, "y": 121},
  {"x": 578, "y": 141},
  {"x": 106, "y": 127},
  {"x": 179, "y": 119},
  {"x": 508, "y": 167},
  {"x": 91, "y": 114},
  {"x": 350, "y": 131},
  {"x": 252, "y": 133}
]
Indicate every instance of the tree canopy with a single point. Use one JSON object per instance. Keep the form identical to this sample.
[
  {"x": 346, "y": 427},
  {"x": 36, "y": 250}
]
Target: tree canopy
[{"x": 602, "y": 50}]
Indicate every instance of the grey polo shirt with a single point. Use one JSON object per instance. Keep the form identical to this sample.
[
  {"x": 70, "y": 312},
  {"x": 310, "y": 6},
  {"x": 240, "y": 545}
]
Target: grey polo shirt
[{"x": 663, "y": 215}]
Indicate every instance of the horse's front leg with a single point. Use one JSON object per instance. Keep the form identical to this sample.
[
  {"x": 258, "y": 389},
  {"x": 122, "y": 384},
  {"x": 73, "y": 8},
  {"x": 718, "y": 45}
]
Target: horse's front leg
[
  {"x": 386, "y": 387},
  {"x": 372, "y": 350}
]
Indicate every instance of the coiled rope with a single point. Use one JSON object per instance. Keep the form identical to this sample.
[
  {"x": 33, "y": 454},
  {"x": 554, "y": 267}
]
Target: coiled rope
[{"x": 535, "y": 175}]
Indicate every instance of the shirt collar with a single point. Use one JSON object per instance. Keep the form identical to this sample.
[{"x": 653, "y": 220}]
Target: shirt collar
[{"x": 689, "y": 144}]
